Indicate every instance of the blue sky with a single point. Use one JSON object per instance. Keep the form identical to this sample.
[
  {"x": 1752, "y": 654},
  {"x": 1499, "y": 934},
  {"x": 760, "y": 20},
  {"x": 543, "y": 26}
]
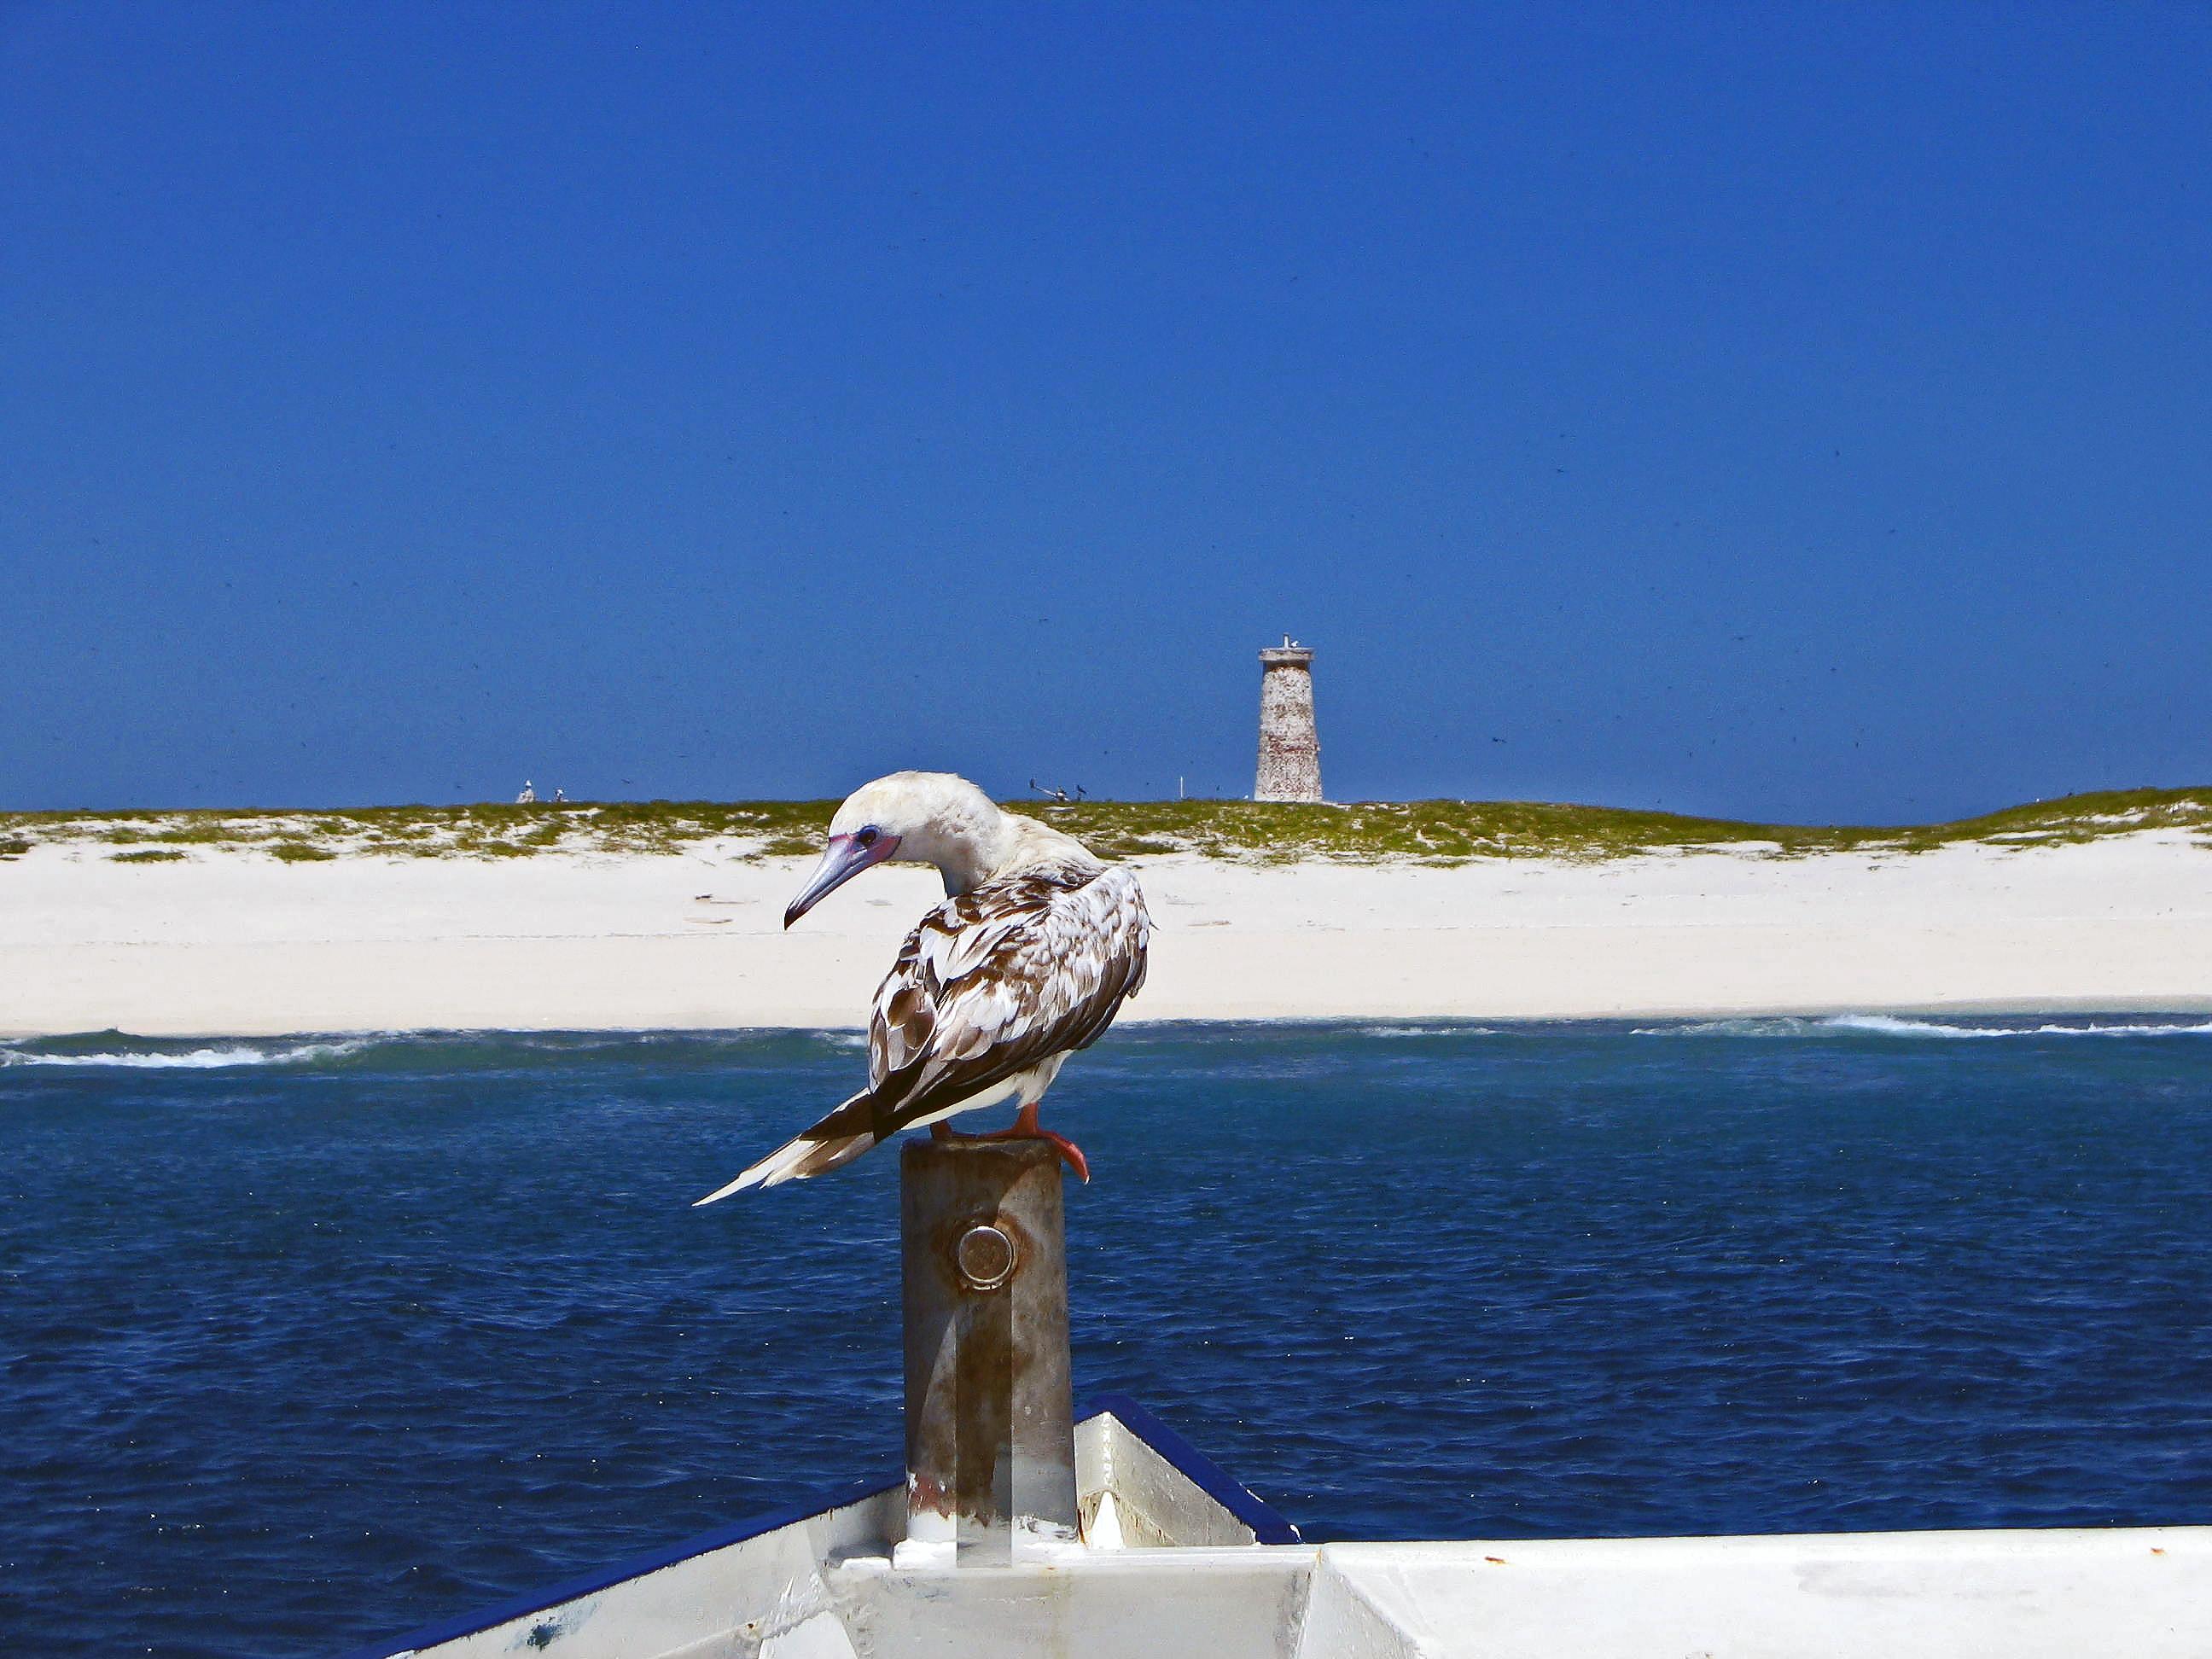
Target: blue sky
[{"x": 1782, "y": 412}]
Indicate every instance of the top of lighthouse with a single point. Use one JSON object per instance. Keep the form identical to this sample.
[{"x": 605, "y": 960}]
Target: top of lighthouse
[{"x": 1290, "y": 653}]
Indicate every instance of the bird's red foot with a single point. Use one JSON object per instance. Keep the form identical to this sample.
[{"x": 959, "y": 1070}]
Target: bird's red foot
[{"x": 1025, "y": 1126}]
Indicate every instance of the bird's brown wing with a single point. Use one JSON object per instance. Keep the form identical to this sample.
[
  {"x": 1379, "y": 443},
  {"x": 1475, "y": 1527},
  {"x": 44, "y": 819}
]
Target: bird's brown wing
[
  {"x": 990, "y": 984},
  {"x": 997, "y": 980}
]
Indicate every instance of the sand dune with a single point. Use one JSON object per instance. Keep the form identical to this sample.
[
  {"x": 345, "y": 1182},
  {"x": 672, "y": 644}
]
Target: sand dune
[{"x": 236, "y": 943}]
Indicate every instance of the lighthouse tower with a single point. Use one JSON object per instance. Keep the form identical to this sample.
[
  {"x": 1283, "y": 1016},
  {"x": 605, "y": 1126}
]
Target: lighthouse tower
[{"x": 1290, "y": 752}]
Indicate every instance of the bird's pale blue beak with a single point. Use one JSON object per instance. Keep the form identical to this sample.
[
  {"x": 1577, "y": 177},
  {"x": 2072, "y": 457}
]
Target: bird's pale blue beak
[{"x": 841, "y": 861}]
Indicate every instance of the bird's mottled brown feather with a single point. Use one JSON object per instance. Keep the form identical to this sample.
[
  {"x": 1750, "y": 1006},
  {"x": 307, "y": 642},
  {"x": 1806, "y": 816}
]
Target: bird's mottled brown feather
[{"x": 996, "y": 980}]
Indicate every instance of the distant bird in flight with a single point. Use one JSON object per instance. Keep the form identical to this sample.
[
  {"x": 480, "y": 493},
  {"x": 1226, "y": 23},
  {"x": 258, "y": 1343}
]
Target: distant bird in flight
[{"x": 1027, "y": 959}]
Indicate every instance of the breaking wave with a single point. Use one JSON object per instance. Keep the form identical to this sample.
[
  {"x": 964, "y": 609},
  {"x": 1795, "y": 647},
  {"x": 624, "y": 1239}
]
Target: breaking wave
[
  {"x": 418, "y": 1051},
  {"x": 192, "y": 1059},
  {"x": 1424, "y": 1030},
  {"x": 1898, "y": 1025}
]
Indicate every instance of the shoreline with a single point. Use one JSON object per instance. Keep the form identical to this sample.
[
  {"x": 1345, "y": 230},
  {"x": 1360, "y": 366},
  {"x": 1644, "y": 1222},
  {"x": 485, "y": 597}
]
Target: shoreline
[
  {"x": 240, "y": 945},
  {"x": 1442, "y": 1023}
]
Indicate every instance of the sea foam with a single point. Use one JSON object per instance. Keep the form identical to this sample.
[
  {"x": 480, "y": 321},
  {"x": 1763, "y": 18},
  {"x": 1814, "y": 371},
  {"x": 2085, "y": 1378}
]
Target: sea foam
[
  {"x": 196, "y": 1059},
  {"x": 1898, "y": 1025}
]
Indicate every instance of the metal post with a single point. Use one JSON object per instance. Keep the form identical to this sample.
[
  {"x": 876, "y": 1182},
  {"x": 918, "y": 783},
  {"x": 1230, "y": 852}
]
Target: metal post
[{"x": 990, "y": 1430}]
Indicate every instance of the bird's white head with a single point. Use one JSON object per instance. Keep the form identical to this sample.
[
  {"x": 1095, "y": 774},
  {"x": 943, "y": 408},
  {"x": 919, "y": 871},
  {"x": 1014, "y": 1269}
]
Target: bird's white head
[{"x": 908, "y": 818}]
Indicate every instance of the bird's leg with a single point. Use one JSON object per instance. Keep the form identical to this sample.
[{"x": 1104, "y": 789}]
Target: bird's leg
[{"x": 1025, "y": 1126}]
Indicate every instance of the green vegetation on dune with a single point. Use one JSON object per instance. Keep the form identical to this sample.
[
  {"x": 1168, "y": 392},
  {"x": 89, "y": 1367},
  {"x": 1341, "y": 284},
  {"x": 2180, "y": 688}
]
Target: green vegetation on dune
[
  {"x": 1448, "y": 831},
  {"x": 1425, "y": 831}
]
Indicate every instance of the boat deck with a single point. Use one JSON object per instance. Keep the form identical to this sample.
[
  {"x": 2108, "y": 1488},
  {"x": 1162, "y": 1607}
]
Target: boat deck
[{"x": 1178, "y": 1559}]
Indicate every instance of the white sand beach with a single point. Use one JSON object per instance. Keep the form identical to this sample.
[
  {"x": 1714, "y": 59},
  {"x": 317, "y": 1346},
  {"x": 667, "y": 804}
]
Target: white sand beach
[{"x": 235, "y": 943}]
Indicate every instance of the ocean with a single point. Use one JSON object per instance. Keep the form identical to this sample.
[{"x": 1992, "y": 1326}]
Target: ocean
[{"x": 307, "y": 1341}]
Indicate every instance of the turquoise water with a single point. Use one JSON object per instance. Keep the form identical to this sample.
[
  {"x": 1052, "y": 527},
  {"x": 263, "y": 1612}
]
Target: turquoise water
[{"x": 307, "y": 1341}]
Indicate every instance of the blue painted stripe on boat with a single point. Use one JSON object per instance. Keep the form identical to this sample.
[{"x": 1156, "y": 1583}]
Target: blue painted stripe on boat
[
  {"x": 1192, "y": 1464},
  {"x": 668, "y": 1555},
  {"x": 1197, "y": 1468}
]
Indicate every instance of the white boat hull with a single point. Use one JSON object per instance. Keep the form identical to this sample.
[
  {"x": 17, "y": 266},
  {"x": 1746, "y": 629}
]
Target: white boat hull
[{"x": 1178, "y": 1560}]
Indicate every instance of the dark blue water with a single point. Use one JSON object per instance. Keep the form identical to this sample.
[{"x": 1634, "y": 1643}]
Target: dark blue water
[{"x": 304, "y": 1343}]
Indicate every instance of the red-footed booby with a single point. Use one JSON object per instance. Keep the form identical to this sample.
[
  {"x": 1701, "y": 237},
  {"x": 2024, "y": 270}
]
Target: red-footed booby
[{"x": 1027, "y": 959}]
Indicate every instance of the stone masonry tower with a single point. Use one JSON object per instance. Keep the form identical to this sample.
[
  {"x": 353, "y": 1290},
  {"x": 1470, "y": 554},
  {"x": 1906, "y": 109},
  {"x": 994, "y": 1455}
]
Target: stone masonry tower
[{"x": 1290, "y": 752}]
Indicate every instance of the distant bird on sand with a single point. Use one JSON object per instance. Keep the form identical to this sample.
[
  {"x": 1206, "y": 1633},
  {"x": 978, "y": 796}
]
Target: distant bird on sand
[{"x": 1026, "y": 961}]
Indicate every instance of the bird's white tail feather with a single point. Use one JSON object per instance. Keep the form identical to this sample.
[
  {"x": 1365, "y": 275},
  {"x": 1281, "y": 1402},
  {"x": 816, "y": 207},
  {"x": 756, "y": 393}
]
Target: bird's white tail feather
[{"x": 819, "y": 1149}]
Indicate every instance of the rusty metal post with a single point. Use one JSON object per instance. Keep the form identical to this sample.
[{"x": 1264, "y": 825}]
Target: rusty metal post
[{"x": 990, "y": 1429}]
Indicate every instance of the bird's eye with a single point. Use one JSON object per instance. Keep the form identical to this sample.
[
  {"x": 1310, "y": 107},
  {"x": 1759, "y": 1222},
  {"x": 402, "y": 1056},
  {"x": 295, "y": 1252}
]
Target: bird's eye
[{"x": 867, "y": 836}]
